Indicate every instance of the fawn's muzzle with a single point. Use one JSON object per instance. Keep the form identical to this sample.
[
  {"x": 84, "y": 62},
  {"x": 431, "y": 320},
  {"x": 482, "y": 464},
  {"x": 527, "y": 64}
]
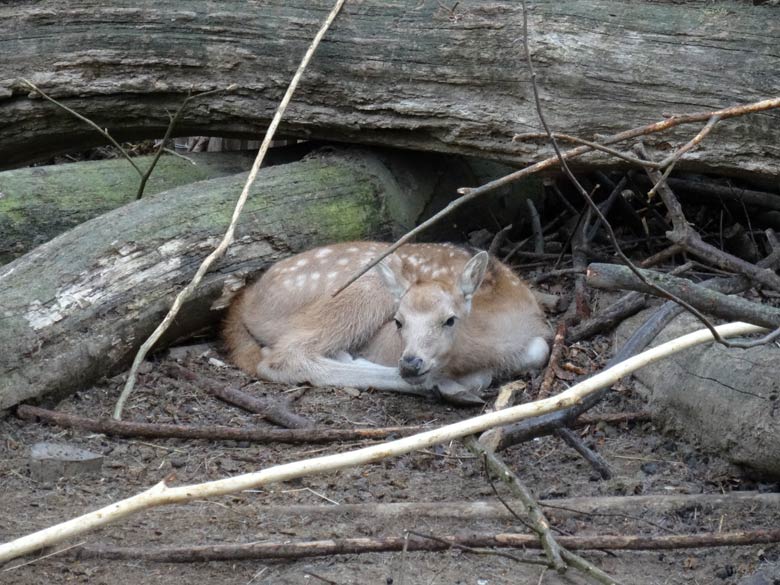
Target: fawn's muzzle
[{"x": 411, "y": 366}]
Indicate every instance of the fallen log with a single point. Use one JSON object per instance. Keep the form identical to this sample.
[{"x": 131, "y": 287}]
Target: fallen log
[
  {"x": 724, "y": 400},
  {"x": 77, "y": 307},
  {"x": 39, "y": 203},
  {"x": 297, "y": 550},
  {"x": 425, "y": 76}
]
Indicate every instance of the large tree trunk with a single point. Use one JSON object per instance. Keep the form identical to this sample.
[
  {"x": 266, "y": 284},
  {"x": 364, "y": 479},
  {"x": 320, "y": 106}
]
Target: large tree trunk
[
  {"x": 438, "y": 76},
  {"x": 77, "y": 307},
  {"x": 39, "y": 203}
]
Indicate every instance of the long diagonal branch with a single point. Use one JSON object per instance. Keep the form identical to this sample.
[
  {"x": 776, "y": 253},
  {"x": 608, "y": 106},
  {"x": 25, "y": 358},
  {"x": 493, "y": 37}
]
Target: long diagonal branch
[{"x": 227, "y": 239}]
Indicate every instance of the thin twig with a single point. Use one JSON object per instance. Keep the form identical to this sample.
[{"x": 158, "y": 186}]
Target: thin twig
[
  {"x": 303, "y": 549},
  {"x": 86, "y": 120},
  {"x": 171, "y": 124},
  {"x": 596, "y": 461},
  {"x": 595, "y": 208},
  {"x": 122, "y": 428},
  {"x": 469, "y": 194},
  {"x": 671, "y": 160},
  {"x": 556, "y": 553},
  {"x": 51, "y": 554},
  {"x": 539, "y": 523},
  {"x": 228, "y": 237},
  {"x": 683, "y": 234},
  {"x": 591, "y": 144},
  {"x": 478, "y": 551}
]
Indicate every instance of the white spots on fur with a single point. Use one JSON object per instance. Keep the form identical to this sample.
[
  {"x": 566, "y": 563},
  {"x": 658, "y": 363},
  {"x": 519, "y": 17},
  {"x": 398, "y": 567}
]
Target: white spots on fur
[
  {"x": 323, "y": 252},
  {"x": 300, "y": 280},
  {"x": 287, "y": 283},
  {"x": 342, "y": 261},
  {"x": 315, "y": 275},
  {"x": 352, "y": 249},
  {"x": 332, "y": 275},
  {"x": 302, "y": 262},
  {"x": 438, "y": 272},
  {"x": 451, "y": 254}
]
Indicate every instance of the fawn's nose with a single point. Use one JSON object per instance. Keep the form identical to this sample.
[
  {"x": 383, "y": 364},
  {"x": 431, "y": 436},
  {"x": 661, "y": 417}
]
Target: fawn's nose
[{"x": 410, "y": 366}]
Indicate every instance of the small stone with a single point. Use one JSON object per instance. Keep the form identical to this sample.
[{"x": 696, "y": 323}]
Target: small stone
[
  {"x": 724, "y": 572},
  {"x": 178, "y": 462},
  {"x": 51, "y": 461},
  {"x": 649, "y": 468}
]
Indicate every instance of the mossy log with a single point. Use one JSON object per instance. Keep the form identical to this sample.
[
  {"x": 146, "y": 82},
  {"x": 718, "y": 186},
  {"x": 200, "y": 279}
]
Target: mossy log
[
  {"x": 77, "y": 307},
  {"x": 432, "y": 76},
  {"x": 39, "y": 203}
]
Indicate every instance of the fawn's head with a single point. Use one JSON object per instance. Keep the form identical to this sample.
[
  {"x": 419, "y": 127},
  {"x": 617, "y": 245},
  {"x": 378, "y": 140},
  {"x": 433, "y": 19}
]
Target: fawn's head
[{"x": 429, "y": 312}]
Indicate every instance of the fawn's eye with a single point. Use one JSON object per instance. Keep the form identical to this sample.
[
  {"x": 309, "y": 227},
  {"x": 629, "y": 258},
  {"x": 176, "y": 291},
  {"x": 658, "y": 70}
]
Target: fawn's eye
[
  {"x": 398, "y": 324},
  {"x": 450, "y": 322}
]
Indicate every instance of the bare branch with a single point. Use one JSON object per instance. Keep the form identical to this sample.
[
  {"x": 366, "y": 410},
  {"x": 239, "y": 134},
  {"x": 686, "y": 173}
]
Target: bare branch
[{"x": 228, "y": 237}]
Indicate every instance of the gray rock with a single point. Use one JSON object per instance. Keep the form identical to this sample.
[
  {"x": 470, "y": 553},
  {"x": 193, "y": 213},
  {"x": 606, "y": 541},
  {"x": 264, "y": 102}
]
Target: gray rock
[{"x": 51, "y": 461}]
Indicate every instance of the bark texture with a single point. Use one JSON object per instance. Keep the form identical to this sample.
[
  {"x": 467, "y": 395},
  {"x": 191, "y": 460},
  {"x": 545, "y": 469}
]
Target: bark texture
[
  {"x": 726, "y": 400},
  {"x": 420, "y": 75},
  {"x": 39, "y": 203},
  {"x": 77, "y": 307}
]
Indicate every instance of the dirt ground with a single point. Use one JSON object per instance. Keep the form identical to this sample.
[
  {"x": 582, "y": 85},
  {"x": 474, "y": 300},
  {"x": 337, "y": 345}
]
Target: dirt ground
[{"x": 644, "y": 461}]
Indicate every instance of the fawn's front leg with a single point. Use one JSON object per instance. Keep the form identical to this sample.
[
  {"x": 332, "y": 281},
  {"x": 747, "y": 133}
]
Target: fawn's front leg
[{"x": 466, "y": 389}]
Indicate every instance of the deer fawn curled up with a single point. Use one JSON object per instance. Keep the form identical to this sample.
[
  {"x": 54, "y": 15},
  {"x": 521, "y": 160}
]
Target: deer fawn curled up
[{"x": 429, "y": 316}]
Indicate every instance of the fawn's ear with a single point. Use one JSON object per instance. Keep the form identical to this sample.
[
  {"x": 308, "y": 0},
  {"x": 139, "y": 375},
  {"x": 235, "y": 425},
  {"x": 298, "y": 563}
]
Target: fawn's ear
[
  {"x": 473, "y": 273},
  {"x": 391, "y": 270}
]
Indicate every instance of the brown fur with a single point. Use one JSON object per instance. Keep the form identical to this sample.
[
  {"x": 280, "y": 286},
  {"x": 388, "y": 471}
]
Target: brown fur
[{"x": 244, "y": 350}]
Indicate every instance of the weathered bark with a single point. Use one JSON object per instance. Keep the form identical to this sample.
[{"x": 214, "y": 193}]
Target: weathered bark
[
  {"x": 725, "y": 400},
  {"x": 406, "y": 74},
  {"x": 77, "y": 307},
  {"x": 39, "y": 203}
]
